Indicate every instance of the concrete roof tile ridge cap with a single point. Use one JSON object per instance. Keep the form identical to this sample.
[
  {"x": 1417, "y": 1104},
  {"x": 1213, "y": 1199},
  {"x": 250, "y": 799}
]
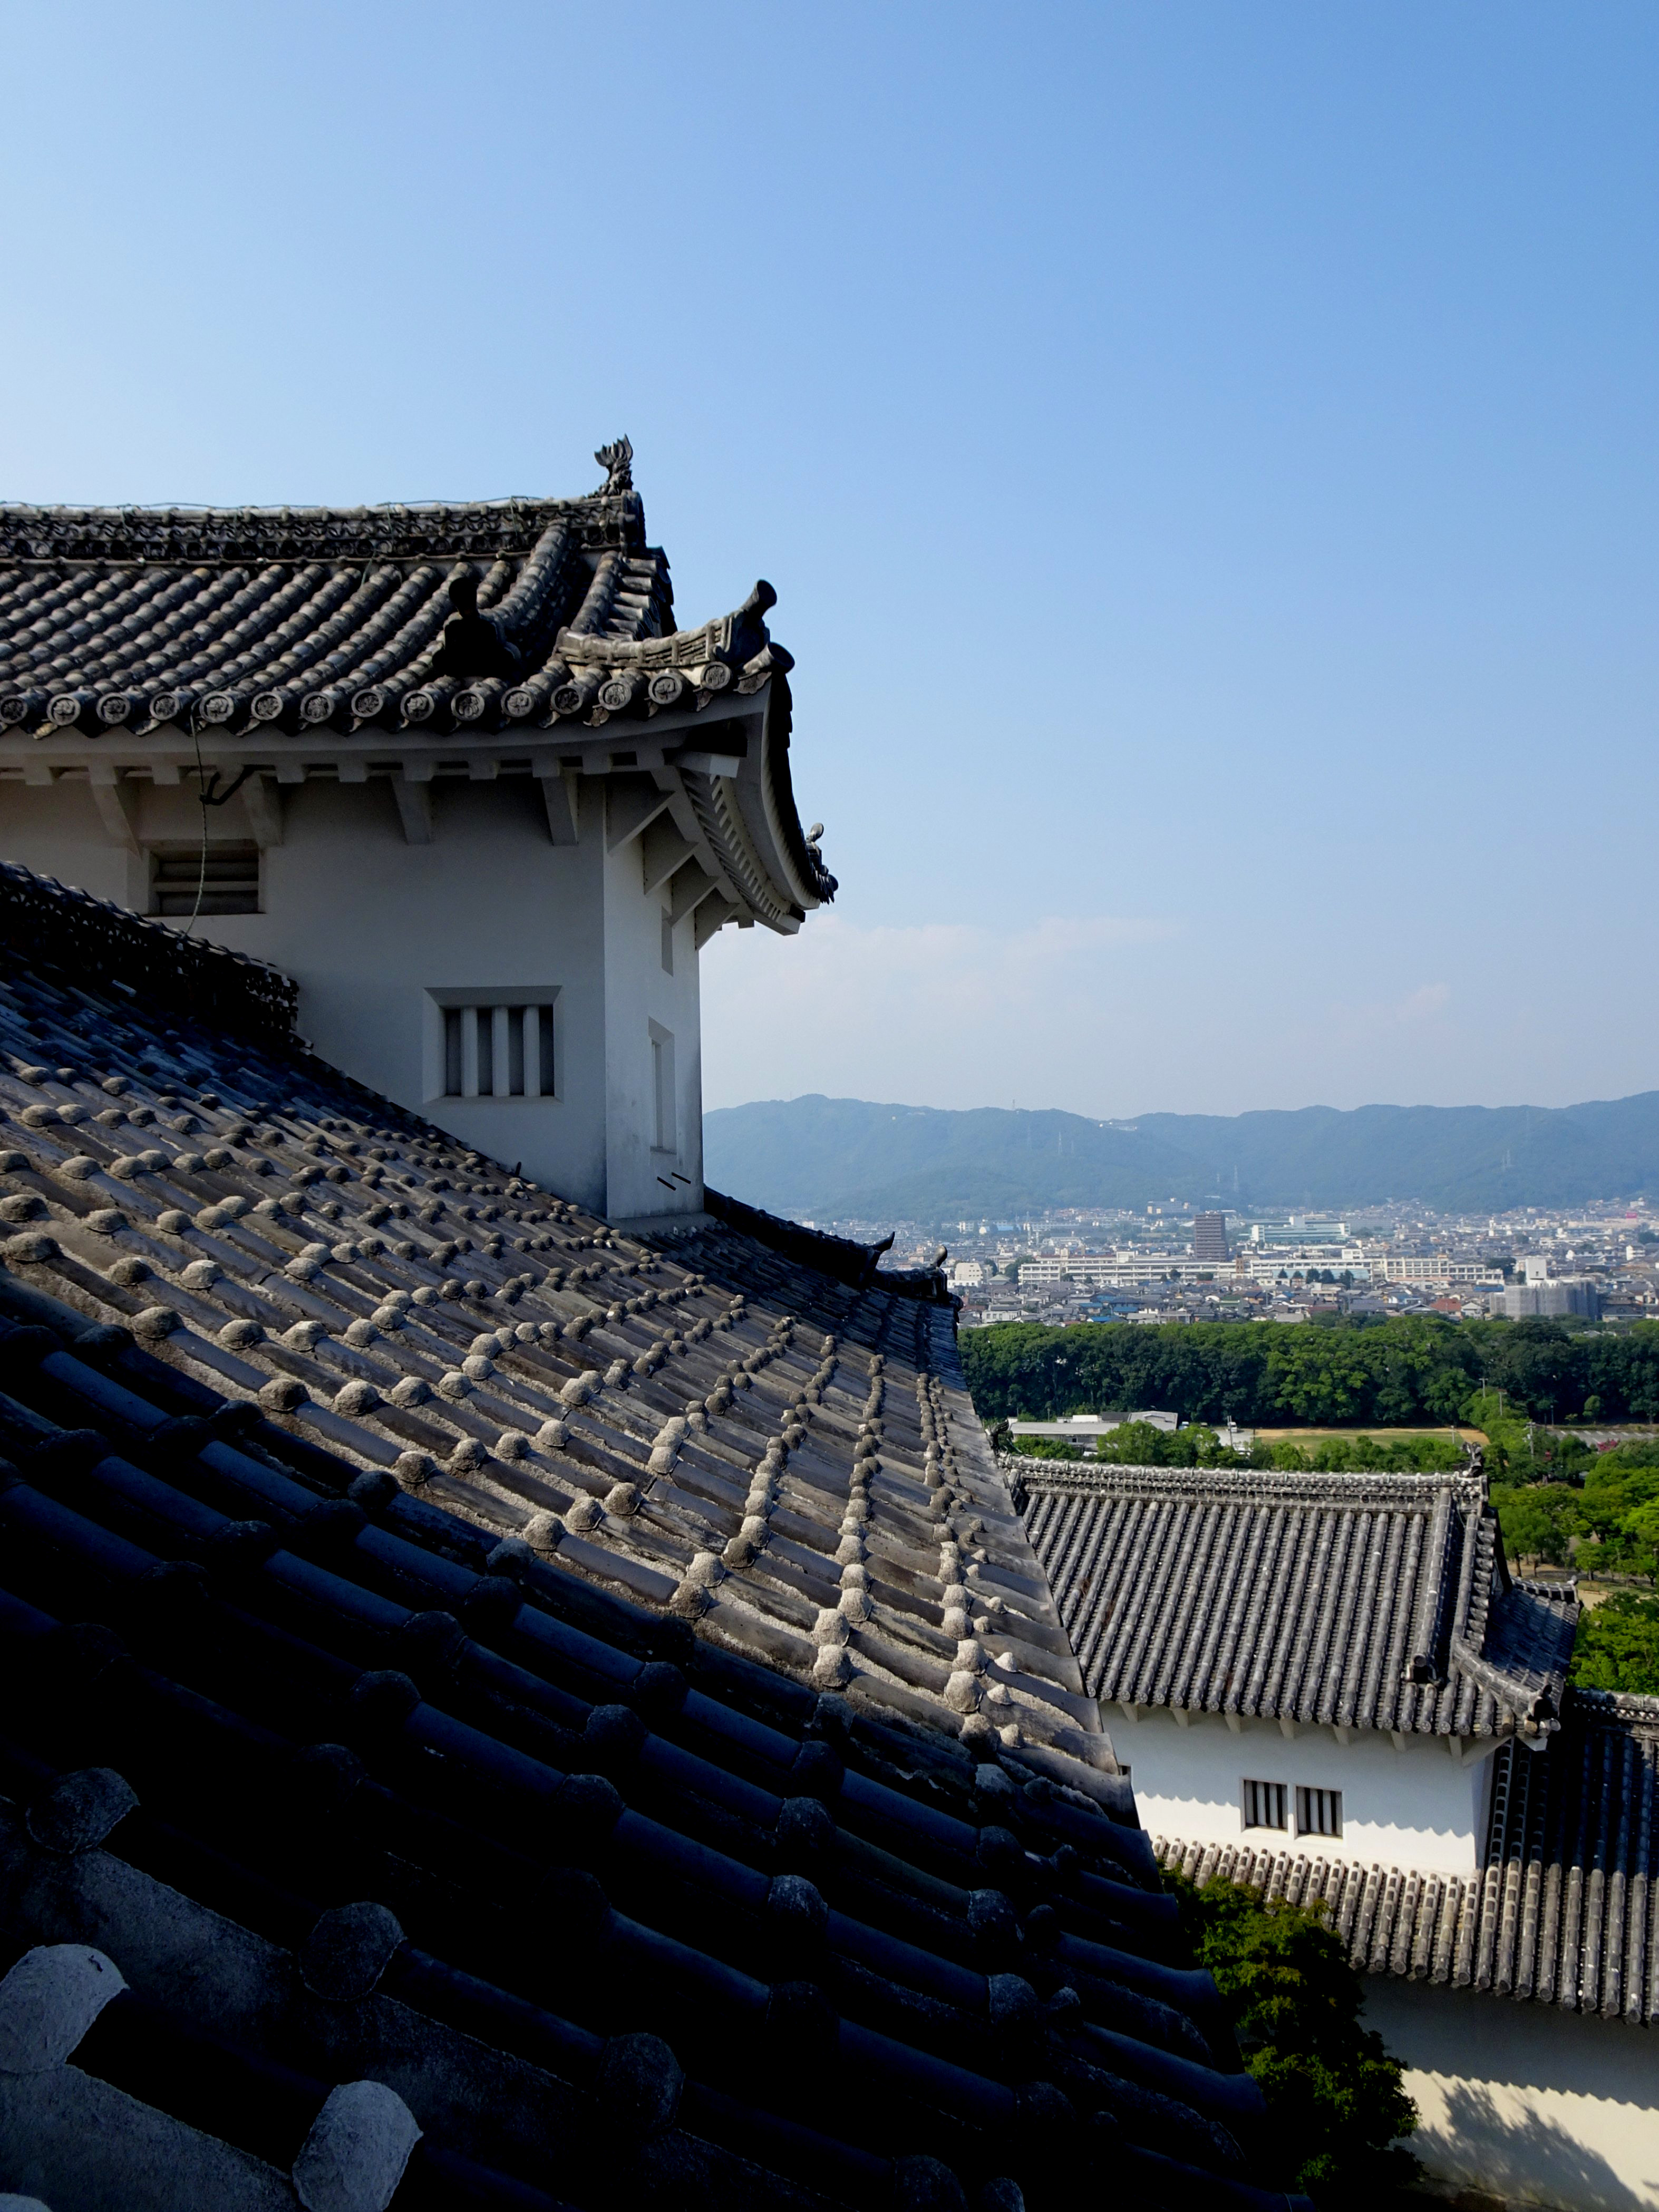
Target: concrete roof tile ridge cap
[
  {"x": 1290, "y": 1487},
  {"x": 387, "y": 511}
]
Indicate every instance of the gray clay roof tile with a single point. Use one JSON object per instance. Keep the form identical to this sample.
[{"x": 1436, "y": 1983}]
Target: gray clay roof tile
[
  {"x": 242, "y": 617},
  {"x": 1352, "y": 1601},
  {"x": 527, "y": 1685}
]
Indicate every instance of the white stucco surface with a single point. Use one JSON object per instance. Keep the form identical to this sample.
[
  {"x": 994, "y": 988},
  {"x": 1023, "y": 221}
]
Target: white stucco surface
[
  {"x": 369, "y": 926},
  {"x": 1534, "y": 2105},
  {"x": 1416, "y": 1807}
]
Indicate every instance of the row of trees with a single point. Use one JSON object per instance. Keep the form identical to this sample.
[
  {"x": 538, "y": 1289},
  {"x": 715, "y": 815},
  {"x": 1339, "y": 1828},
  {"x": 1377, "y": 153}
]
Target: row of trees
[
  {"x": 1559, "y": 1503},
  {"x": 1139, "y": 1444},
  {"x": 1559, "y": 1499},
  {"x": 1419, "y": 1368}
]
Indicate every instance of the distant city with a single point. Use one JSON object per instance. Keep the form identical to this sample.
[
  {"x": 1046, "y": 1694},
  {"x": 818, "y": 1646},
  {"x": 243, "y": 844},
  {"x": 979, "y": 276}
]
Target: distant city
[{"x": 1170, "y": 1264}]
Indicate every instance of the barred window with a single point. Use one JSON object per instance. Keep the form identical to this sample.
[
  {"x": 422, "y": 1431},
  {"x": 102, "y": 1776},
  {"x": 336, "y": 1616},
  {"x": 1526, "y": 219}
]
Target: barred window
[
  {"x": 499, "y": 1052},
  {"x": 662, "y": 1088},
  {"x": 1318, "y": 1812},
  {"x": 227, "y": 880},
  {"x": 1264, "y": 1804}
]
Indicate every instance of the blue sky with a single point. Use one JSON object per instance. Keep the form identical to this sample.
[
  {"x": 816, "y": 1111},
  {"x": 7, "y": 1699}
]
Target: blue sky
[{"x": 1205, "y": 454}]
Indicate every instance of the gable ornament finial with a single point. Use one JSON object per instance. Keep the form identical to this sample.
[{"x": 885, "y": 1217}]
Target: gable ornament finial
[{"x": 617, "y": 462}]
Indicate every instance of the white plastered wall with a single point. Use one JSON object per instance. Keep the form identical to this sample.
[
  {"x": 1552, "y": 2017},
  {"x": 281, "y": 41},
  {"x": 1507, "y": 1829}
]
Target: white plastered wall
[
  {"x": 369, "y": 925},
  {"x": 55, "y": 830},
  {"x": 1533, "y": 2105},
  {"x": 643, "y": 1001},
  {"x": 1416, "y": 1807}
]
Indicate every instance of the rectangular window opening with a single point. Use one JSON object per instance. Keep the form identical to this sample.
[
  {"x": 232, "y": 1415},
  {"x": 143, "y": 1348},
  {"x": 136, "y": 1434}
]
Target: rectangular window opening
[
  {"x": 1318, "y": 1812},
  {"x": 1264, "y": 1805},
  {"x": 667, "y": 943},
  {"x": 229, "y": 883},
  {"x": 498, "y": 1049},
  {"x": 662, "y": 1089}
]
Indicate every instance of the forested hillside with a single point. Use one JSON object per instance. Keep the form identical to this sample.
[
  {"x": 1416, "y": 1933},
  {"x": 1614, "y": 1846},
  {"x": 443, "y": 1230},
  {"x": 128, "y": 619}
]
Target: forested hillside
[
  {"x": 848, "y": 1158},
  {"x": 1419, "y": 1367}
]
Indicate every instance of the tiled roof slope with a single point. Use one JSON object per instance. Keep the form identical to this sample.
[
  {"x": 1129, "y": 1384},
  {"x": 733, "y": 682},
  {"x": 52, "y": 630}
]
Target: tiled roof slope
[
  {"x": 97, "y": 941},
  {"x": 715, "y": 1429},
  {"x": 1357, "y": 1601},
  {"x": 840, "y": 1256},
  {"x": 1566, "y": 1909},
  {"x": 502, "y": 613},
  {"x": 635, "y": 1751}
]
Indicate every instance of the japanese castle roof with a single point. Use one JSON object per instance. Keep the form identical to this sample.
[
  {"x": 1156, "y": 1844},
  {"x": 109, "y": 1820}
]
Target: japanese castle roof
[
  {"x": 517, "y": 628},
  {"x": 512, "y": 1715},
  {"x": 111, "y": 616},
  {"x": 1353, "y": 1600}
]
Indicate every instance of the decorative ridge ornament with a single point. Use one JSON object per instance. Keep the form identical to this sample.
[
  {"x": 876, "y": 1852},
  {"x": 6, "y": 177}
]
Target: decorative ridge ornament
[{"x": 617, "y": 462}]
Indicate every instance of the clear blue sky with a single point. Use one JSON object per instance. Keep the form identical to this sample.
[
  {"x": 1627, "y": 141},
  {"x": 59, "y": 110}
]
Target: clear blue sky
[{"x": 1205, "y": 454}]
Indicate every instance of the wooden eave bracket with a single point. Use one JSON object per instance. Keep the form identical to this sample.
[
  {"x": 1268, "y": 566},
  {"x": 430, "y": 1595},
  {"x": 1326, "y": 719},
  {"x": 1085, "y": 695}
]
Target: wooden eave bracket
[
  {"x": 117, "y": 801},
  {"x": 706, "y": 763},
  {"x": 264, "y": 801},
  {"x": 561, "y": 796},
  {"x": 664, "y": 847},
  {"x": 414, "y": 798},
  {"x": 690, "y": 885},
  {"x": 713, "y": 914},
  {"x": 1470, "y": 1750},
  {"x": 631, "y": 803}
]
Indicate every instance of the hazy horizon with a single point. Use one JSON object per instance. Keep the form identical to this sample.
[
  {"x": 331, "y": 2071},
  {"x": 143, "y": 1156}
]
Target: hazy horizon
[{"x": 1146, "y": 1112}]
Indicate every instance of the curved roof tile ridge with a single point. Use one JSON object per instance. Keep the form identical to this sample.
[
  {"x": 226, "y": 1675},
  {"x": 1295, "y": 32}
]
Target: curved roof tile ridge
[
  {"x": 140, "y": 632},
  {"x": 1360, "y": 1600},
  {"x": 103, "y": 943},
  {"x": 242, "y": 618},
  {"x": 561, "y": 1678},
  {"x": 727, "y": 1450}
]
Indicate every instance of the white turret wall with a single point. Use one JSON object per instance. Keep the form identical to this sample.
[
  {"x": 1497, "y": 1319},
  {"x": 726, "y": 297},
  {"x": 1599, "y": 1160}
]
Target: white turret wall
[
  {"x": 1417, "y": 1806},
  {"x": 379, "y": 931}
]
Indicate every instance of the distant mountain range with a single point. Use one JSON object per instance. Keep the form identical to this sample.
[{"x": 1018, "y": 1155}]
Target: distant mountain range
[{"x": 841, "y": 1158}]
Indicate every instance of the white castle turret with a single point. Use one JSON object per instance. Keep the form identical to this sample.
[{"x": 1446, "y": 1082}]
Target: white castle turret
[{"x": 450, "y": 767}]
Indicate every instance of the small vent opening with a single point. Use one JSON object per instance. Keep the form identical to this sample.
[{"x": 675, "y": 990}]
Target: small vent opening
[
  {"x": 229, "y": 884},
  {"x": 499, "y": 1052},
  {"x": 1319, "y": 1812},
  {"x": 1264, "y": 1805}
]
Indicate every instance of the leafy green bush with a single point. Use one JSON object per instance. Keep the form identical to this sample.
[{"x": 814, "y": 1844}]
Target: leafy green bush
[
  {"x": 1140, "y": 1443},
  {"x": 1617, "y": 1646},
  {"x": 1044, "y": 1447},
  {"x": 1364, "y": 1455},
  {"x": 1336, "y": 2108},
  {"x": 1538, "y": 1521}
]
